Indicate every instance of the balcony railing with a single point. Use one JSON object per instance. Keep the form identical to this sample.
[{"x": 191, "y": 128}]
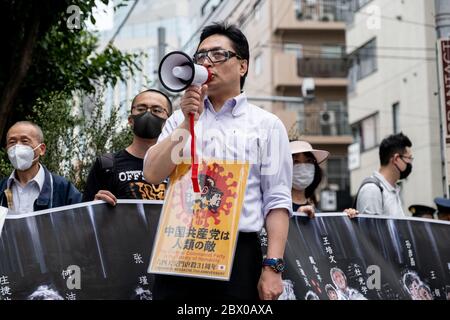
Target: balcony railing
[
  {"x": 322, "y": 67},
  {"x": 331, "y": 120},
  {"x": 322, "y": 10}
]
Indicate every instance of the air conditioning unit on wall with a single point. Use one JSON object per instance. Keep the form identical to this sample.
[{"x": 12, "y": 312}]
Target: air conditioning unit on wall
[{"x": 328, "y": 123}]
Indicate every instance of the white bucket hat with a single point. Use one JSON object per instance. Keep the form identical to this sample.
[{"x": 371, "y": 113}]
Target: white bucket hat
[{"x": 303, "y": 146}]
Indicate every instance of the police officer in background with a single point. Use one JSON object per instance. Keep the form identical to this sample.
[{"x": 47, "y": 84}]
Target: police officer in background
[
  {"x": 443, "y": 206},
  {"x": 421, "y": 211}
]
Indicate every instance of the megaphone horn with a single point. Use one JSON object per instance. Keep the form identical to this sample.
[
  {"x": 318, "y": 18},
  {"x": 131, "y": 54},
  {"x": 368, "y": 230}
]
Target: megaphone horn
[{"x": 177, "y": 71}]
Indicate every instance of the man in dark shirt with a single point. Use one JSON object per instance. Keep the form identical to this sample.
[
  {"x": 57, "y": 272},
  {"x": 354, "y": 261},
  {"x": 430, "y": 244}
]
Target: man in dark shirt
[{"x": 119, "y": 175}]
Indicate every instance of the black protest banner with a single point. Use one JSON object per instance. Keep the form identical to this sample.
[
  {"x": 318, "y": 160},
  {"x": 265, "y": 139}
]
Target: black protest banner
[
  {"x": 95, "y": 251},
  {"x": 86, "y": 251},
  {"x": 369, "y": 257}
]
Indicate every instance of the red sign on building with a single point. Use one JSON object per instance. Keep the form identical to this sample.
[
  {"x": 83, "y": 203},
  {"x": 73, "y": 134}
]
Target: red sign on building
[{"x": 444, "y": 79}]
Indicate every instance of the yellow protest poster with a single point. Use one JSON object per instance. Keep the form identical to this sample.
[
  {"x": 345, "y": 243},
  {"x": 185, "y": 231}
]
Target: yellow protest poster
[{"x": 197, "y": 232}]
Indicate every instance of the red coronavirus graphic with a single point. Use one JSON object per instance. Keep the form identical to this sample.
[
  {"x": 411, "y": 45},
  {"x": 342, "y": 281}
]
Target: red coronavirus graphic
[{"x": 218, "y": 194}]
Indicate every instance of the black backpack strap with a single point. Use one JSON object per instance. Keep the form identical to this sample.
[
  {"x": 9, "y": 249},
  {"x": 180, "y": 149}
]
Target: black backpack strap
[
  {"x": 368, "y": 180},
  {"x": 108, "y": 169},
  {"x": 107, "y": 162}
]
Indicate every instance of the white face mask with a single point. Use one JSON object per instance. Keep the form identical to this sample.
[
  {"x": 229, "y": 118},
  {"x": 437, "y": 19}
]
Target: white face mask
[
  {"x": 22, "y": 156},
  {"x": 303, "y": 175}
]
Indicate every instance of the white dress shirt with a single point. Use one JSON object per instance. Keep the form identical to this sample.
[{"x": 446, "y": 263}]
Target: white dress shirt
[
  {"x": 25, "y": 196},
  {"x": 241, "y": 131}
]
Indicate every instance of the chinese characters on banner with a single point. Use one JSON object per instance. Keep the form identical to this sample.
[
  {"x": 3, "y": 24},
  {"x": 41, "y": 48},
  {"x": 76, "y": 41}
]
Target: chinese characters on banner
[
  {"x": 197, "y": 233},
  {"x": 376, "y": 258}
]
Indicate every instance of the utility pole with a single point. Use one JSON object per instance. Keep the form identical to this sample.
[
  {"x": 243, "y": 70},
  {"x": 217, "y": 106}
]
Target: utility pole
[
  {"x": 442, "y": 10},
  {"x": 161, "y": 48}
]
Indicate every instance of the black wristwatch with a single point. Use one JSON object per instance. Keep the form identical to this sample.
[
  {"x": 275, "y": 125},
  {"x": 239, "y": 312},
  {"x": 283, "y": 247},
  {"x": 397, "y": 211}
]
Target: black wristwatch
[{"x": 276, "y": 264}]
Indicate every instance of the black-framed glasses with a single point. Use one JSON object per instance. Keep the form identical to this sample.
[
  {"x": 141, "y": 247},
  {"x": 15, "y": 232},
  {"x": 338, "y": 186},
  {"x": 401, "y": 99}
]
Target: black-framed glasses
[
  {"x": 155, "y": 110},
  {"x": 214, "y": 56}
]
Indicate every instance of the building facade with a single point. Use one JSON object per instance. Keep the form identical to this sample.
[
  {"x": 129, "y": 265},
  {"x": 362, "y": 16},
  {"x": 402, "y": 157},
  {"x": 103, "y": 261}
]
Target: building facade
[
  {"x": 392, "y": 88},
  {"x": 152, "y": 28}
]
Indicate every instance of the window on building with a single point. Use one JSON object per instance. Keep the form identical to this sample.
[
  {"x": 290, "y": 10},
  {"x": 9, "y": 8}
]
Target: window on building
[
  {"x": 337, "y": 172},
  {"x": 294, "y": 48},
  {"x": 358, "y": 4},
  {"x": 298, "y": 8},
  {"x": 350, "y": 7},
  {"x": 365, "y": 132},
  {"x": 395, "y": 117},
  {"x": 332, "y": 51},
  {"x": 258, "y": 64},
  {"x": 363, "y": 62}
]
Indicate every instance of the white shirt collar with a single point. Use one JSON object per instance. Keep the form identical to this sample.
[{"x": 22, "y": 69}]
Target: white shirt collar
[{"x": 39, "y": 178}]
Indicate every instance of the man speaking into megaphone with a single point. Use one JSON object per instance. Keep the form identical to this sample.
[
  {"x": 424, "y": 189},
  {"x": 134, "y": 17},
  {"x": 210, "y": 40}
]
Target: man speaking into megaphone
[{"x": 221, "y": 106}]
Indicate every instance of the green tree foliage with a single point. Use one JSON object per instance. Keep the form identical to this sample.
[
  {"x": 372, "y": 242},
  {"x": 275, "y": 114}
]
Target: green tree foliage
[
  {"x": 44, "y": 65},
  {"x": 41, "y": 54},
  {"x": 73, "y": 138}
]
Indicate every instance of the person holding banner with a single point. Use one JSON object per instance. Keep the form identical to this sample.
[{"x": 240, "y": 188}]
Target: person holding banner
[
  {"x": 31, "y": 186},
  {"x": 228, "y": 122},
  {"x": 379, "y": 193},
  {"x": 119, "y": 175},
  {"x": 307, "y": 175}
]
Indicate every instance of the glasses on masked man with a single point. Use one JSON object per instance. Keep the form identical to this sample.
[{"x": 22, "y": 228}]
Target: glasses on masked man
[{"x": 155, "y": 110}]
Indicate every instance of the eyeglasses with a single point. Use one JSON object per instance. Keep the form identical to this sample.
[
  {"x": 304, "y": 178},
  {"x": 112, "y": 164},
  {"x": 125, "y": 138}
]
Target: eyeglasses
[
  {"x": 214, "y": 56},
  {"x": 155, "y": 110},
  {"x": 410, "y": 158}
]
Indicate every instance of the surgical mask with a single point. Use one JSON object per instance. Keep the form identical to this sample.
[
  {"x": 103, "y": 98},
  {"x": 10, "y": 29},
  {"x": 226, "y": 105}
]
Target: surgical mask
[
  {"x": 405, "y": 173},
  {"x": 303, "y": 175},
  {"x": 22, "y": 156},
  {"x": 147, "y": 126}
]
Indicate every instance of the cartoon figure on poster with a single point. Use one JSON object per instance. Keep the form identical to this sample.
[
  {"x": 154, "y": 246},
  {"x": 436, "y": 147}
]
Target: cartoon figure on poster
[
  {"x": 200, "y": 229},
  {"x": 217, "y": 193}
]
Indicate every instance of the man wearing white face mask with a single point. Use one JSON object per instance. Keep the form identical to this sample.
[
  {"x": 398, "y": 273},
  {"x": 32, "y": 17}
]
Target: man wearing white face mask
[{"x": 31, "y": 187}]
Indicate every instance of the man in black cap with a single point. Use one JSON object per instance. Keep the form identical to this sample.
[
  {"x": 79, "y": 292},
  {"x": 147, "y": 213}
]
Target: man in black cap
[
  {"x": 421, "y": 211},
  {"x": 443, "y": 206}
]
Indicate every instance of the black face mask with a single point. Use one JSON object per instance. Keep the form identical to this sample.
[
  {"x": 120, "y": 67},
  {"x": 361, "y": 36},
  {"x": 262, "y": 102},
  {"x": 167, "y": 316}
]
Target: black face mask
[
  {"x": 405, "y": 173},
  {"x": 147, "y": 126}
]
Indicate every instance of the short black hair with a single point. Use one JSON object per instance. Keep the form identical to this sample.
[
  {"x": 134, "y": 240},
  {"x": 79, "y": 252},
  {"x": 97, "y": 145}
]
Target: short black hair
[
  {"x": 395, "y": 143},
  {"x": 309, "y": 191},
  {"x": 238, "y": 40},
  {"x": 157, "y": 91}
]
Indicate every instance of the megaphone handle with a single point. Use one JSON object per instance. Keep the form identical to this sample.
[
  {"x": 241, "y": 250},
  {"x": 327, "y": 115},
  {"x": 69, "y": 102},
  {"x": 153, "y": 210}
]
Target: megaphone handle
[{"x": 194, "y": 168}]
